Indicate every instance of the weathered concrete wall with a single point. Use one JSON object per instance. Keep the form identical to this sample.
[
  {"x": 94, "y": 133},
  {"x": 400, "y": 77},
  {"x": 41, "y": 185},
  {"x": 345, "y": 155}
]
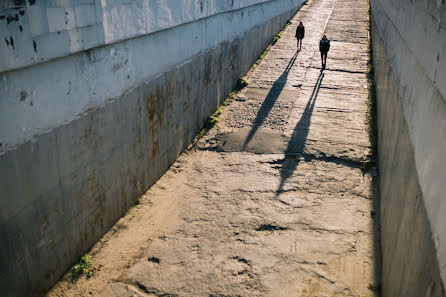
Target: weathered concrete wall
[
  {"x": 96, "y": 128},
  {"x": 37, "y": 31},
  {"x": 87, "y": 79},
  {"x": 409, "y": 51}
]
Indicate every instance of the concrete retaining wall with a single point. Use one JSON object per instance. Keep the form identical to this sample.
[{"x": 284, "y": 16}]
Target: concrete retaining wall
[
  {"x": 409, "y": 51},
  {"x": 150, "y": 41},
  {"x": 36, "y": 31},
  {"x": 98, "y": 127}
]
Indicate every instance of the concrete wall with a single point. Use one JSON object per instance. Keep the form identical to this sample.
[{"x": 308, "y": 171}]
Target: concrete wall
[
  {"x": 85, "y": 132},
  {"x": 87, "y": 78},
  {"x": 41, "y": 30},
  {"x": 409, "y": 51}
]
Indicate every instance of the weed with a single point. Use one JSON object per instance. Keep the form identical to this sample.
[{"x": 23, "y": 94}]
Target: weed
[
  {"x": 138, "y": 201},
  {"x": 241, "y": 84},
  {"x": 83, "y": 267},
  {"x": 262, "y": 56},
  {"x": 90, "y": 273},
  {"x": 231, "y": 96},
  {"x": 213, "y": 119},
  {"x": 279, "y": 35},
  {"x": 273, "y": 42},
  {"x": 200, "y": 134}
]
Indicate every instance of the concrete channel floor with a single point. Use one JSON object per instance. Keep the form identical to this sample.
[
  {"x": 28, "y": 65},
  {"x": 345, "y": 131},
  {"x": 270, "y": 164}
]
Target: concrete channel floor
[{"x": 279, "y": 199}]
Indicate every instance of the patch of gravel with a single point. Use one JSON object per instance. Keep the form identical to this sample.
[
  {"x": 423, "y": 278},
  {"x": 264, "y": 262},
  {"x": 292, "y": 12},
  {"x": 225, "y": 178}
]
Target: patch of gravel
[{"x": 252, "y": 114}]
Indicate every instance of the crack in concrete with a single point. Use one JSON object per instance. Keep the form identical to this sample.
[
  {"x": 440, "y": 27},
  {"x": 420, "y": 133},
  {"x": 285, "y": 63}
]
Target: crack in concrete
[
  {"x": 271, "y": 227},
  {"x": 308, "y": 226},
  {"x": 324, "y": 277},
  {"x": 232, "y": 231},
  {"x": 154, "y": 291}
]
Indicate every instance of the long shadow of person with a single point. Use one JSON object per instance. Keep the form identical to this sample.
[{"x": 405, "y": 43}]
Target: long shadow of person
[
  {"x": 269, "y": 101},
  {"x": 297, "y": 141}
]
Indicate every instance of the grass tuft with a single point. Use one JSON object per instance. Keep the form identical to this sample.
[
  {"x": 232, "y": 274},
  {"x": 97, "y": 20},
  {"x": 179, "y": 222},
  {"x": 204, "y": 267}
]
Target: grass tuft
[
  {"x": 273, "y": 42},
  {"x": 213, "y": 119},
  {"x": 83, "y": 267},
  {"x": 242, "y": 83}
]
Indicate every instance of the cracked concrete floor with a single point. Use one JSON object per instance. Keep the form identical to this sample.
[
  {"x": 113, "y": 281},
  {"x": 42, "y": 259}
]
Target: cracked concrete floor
[{"x": 278, "y": 200}]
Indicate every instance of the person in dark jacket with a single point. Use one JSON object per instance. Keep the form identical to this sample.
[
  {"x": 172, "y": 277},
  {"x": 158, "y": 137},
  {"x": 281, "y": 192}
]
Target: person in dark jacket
[
  {"x": 324, "y": 47},
  {"x": 300, "y": 34}
]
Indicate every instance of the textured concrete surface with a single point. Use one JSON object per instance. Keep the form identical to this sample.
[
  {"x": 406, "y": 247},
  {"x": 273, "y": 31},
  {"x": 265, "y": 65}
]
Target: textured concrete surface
[
  {"x": 34, "y": 32},
  {"x": 279, "y": 199},
  {"x": 64, "y": 188},
  {"x": 410, "y": 79},
  {"x": 409, "y": 259},
  {"x": 148, "y": 40}
]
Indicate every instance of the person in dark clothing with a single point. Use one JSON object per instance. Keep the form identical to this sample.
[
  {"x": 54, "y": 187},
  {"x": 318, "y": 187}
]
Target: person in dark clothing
[
  {"x": 300, "y": 34},
  {"x": 324, "y": 47}
]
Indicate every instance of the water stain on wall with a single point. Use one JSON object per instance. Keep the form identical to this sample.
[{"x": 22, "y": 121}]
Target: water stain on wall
[{"x": 23, "y": 95}]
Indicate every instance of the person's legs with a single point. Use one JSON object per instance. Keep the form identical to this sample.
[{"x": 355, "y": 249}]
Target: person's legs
[
  {"x": 324, "y": 59},
  {"x": 300, "y": 43}
]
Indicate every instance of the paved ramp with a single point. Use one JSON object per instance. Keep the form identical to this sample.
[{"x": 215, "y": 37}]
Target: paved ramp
[{"x": 279, "y": 199}]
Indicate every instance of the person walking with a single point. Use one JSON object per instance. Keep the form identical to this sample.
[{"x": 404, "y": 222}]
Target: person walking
[
  {"x": 324, "y": 47},
  {"x": 300, "y": 34}
]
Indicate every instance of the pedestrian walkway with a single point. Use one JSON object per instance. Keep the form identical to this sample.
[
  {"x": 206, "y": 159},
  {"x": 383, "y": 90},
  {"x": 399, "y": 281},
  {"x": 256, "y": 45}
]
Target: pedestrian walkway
[{"x": 279, "y": 199}]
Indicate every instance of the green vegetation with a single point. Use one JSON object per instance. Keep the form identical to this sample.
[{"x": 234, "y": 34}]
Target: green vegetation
[
  {"x": 279, "y": 35},
  {"x": 241, "y": 84},
  {"x": 83, "y": 267},
  {"x": 213, "y": 119},
  {"x": 138, "y": 201},
  {"x": 275, "y": 39},
  {"x": 261, "y": 56}
]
